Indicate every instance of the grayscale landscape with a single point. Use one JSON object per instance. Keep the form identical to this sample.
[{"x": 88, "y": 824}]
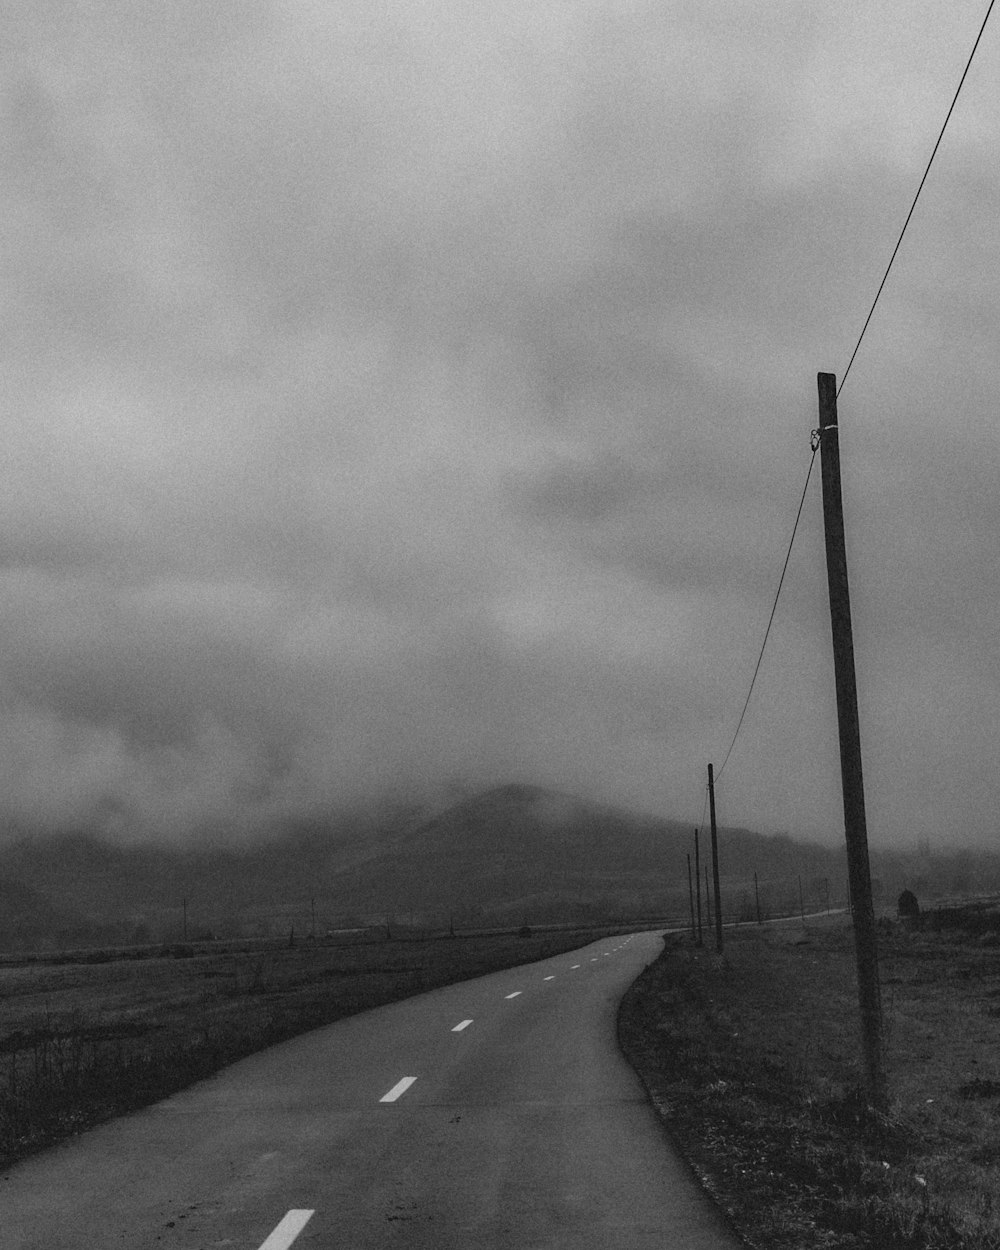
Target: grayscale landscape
[{"x": 499, "y": 678}]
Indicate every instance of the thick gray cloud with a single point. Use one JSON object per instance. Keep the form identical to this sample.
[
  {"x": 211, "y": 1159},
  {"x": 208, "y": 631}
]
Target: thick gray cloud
[{"x": 397, "y": 394}]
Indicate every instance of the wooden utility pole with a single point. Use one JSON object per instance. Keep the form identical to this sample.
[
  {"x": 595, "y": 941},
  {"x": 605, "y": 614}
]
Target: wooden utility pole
[
  {"x": 715, "y": 862},
  {"x": 756, "y": 895},
  {"x": 697, "y": 882},
  {"x": 852, "y": 778},
  {"x": 708, "y": 901},
  {"x": 694, "y": 931}
]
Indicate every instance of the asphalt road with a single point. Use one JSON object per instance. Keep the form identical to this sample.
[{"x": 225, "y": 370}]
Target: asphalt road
[{"x": 494, "y": 1113}]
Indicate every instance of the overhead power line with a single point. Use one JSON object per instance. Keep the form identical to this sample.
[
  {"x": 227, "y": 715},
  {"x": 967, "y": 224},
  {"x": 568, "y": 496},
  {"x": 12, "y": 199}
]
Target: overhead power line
[
  {"x": 774, "y": 608},
  {"x": 843, "y": 379},
  {"x": 927, "y": 170}
]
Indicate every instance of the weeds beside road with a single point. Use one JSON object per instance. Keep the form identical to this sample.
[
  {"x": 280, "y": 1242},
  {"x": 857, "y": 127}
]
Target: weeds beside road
[
  {"x": 82, "y": 1041},
  {"x": 753, "y": 1060}
]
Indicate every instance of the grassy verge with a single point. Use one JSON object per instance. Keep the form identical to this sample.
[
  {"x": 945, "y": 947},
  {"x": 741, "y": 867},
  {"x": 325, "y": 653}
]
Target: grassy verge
[
  {"x": 753, "y": 1061},
  {"x": 81, "y": 1042}
]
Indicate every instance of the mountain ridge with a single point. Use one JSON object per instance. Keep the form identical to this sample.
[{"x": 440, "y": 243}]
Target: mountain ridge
[{"x": 512, "y": 851}]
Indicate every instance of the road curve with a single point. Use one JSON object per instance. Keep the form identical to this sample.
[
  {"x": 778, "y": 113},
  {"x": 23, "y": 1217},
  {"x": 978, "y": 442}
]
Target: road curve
[{"x": 497, "y": 1113}]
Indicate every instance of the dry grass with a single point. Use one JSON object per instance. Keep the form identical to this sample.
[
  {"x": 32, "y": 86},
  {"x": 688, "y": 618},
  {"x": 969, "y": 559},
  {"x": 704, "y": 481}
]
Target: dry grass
[
  {"x": 83, "y": 1041},
  {"x": 754, "y": 1061}
]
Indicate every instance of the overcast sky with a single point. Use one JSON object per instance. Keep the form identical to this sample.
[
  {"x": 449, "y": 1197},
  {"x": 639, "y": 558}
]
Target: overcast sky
[{"x": 398, "y": 394}]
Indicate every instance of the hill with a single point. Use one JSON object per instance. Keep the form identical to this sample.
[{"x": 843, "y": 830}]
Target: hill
[
  {"x": 28, "y": 917},
  {"x": 513, "y": 852},
  {"x": 522, "y": 848}
]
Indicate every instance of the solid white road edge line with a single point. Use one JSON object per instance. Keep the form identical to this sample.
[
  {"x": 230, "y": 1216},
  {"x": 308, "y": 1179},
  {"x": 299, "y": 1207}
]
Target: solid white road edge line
[
  {"x": 399, "y": 1088},
  {"x": 286, "y": 1232},
  {"x": 514, "y": 995},
  {"x": 459, "y": 1027}
]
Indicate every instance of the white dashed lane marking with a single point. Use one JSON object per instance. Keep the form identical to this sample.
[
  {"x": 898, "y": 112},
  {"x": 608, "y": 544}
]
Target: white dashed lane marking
[
  {"x": 548, "y": 978},
  {"x": 459, "y": 1027},
  {"x": 286, "y": 1232},
  {"x": 574, "y": 966},
  {"x": 514, "y": 995},
  {"x": 398, "y": 1089}
]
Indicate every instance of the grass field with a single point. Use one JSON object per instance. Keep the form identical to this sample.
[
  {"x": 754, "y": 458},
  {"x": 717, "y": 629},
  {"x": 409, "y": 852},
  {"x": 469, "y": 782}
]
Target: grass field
[
  {"x": 82, "y": 1040},
  {"x": 753, "y": 1059}
]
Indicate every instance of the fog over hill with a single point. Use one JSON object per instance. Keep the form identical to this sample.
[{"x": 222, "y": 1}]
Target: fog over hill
[{"x": 512, "y": 853}]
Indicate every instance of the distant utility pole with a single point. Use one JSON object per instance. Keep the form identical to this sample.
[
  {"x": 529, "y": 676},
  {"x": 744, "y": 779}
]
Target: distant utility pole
[
  {"x": 852, "y": 778},
  {"x": 694, "y": 931},
  {"x": 697, "y": 882},
  {"x": 715, "y": 862},
  {"x": 312, "y": 914},
  {"x": 185, "y": 921},
  {"x": 802, "y": 903},
  {"x": 708, "y": 901},
  {"x": 756, "y": 895}
]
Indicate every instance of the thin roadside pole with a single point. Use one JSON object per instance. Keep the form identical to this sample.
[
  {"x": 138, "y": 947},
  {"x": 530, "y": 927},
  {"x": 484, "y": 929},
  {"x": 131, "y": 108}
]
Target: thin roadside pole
[
  {"x": 851, "y": 772},
  {"x": 694, "y": 931},
  {"x": 715, "y": 862},
  {"x": 697, "y": 882}
]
